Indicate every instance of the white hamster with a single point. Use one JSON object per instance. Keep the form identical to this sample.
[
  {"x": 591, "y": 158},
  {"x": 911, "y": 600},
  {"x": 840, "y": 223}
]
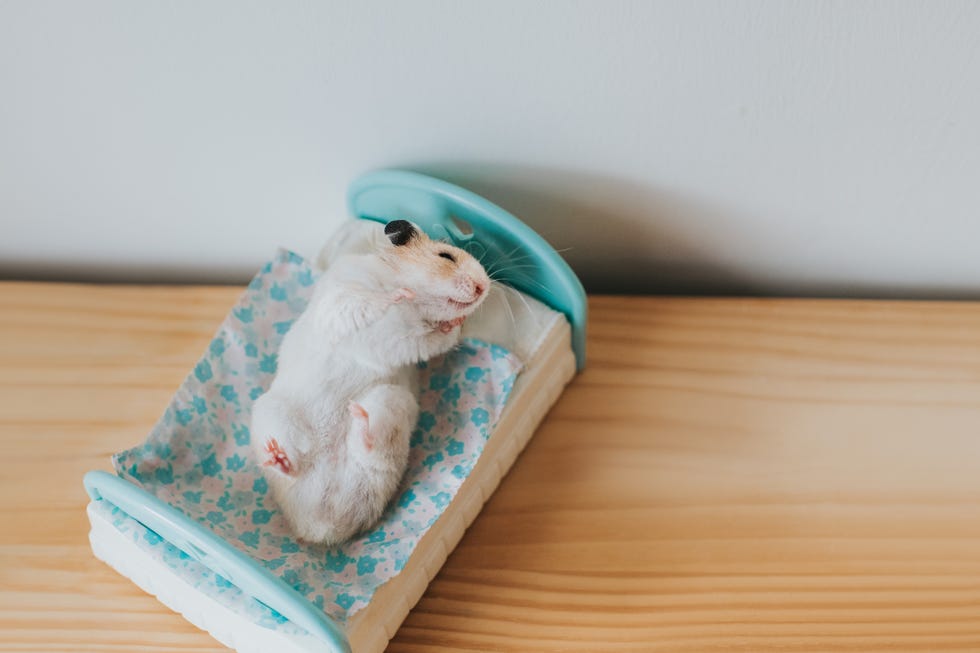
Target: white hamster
[{"x": 332, "y": 433}]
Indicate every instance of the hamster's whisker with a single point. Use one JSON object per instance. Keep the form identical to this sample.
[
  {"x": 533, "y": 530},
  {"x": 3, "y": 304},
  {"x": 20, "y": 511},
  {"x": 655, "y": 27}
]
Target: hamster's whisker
[
  {"x": 520, "y": 278},
  {"x": 525, "y": 260},
  {"x": 520, "y": 296},
  {"x": 513, "y": 319},
  {"x": 486, "y": 268},
  {"x": 513, "y": 251},
  {"x": 509, "y": 272},
  {"x": 501, "y": 260},
  {"x": 524, "y": 266},
  {"x": 494, "y": 276},
  {"x": 503, "y": 265},
  {"x": 493, "y": 264},
  {"x": 521, "y": 255}
]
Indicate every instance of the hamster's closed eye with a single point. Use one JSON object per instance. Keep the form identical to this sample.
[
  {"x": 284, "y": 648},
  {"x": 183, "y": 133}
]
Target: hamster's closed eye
[{"x": 448, "y": 255}]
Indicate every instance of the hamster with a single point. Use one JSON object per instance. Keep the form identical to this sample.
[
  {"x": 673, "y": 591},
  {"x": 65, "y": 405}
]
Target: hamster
[{"x": 332, "y": 433}]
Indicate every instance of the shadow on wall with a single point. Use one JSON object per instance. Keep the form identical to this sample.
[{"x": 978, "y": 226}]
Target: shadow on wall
[{"x": 619, "y": 237}]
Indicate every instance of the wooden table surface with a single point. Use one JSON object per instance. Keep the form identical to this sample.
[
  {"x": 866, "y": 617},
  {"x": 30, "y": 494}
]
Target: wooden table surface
[{"x": 727, "y": 474}]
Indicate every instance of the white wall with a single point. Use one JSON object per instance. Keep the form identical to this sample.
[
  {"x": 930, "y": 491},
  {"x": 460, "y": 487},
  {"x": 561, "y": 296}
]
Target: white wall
[{"x": 827, "y": 147}]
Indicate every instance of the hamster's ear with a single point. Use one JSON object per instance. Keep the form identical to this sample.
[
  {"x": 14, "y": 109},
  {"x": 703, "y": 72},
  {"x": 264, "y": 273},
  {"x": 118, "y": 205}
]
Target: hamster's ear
[{"x": 399, "y": 232}]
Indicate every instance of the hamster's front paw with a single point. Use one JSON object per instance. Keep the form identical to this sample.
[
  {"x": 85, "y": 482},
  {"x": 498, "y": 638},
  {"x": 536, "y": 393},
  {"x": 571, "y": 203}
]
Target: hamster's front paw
[
  {"x": 447, "y": 326},
  {"x": 277, "y": 457},
  {"x": 403, "y": 294}
]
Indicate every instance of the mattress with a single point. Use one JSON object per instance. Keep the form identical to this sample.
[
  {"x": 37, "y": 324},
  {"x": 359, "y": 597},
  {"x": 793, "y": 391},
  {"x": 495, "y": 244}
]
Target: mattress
[{"x": 537, "y": 342}]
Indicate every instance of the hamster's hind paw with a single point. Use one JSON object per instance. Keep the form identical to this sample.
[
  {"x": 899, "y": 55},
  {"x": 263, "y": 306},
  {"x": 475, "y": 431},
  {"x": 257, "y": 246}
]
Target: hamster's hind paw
[
  {"x": 403, "y": 294},
  {"x": 277, "y": 457},
  {"x": 360, "y": 425}
]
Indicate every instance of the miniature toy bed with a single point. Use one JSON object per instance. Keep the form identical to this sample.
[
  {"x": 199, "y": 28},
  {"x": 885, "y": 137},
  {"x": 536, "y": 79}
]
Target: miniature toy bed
[{"x": 188, "y": 517}]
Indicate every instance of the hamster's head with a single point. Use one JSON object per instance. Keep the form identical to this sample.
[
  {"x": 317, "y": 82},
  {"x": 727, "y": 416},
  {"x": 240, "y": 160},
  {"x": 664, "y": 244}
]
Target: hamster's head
[{"x": 448, "y": 283}]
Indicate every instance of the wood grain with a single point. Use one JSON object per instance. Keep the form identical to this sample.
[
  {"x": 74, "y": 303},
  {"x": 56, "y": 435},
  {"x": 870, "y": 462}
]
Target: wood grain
[{"x": 758, "y": 475}]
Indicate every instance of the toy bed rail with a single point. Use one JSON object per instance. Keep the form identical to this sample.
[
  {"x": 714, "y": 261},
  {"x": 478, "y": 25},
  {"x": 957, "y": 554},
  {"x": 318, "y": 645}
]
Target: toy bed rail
[
  {"x": 444, "y": 211},
  {"x": 214, "y": 553}
]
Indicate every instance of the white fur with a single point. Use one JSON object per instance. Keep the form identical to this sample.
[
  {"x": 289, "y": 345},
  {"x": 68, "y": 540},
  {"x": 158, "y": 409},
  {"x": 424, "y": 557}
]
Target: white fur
[{"x": 372, "y": 317}]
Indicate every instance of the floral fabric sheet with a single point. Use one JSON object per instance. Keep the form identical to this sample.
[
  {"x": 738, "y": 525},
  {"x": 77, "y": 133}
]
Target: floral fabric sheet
[{"x": 198, "y": 459}]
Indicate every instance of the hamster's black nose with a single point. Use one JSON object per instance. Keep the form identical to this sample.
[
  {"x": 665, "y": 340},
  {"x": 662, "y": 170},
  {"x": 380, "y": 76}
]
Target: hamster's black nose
[{"x": 399, "y": 232}]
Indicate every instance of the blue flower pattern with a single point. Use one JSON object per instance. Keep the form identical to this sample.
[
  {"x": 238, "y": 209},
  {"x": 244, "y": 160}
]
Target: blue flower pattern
[{"x": 198, "y": 457}]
